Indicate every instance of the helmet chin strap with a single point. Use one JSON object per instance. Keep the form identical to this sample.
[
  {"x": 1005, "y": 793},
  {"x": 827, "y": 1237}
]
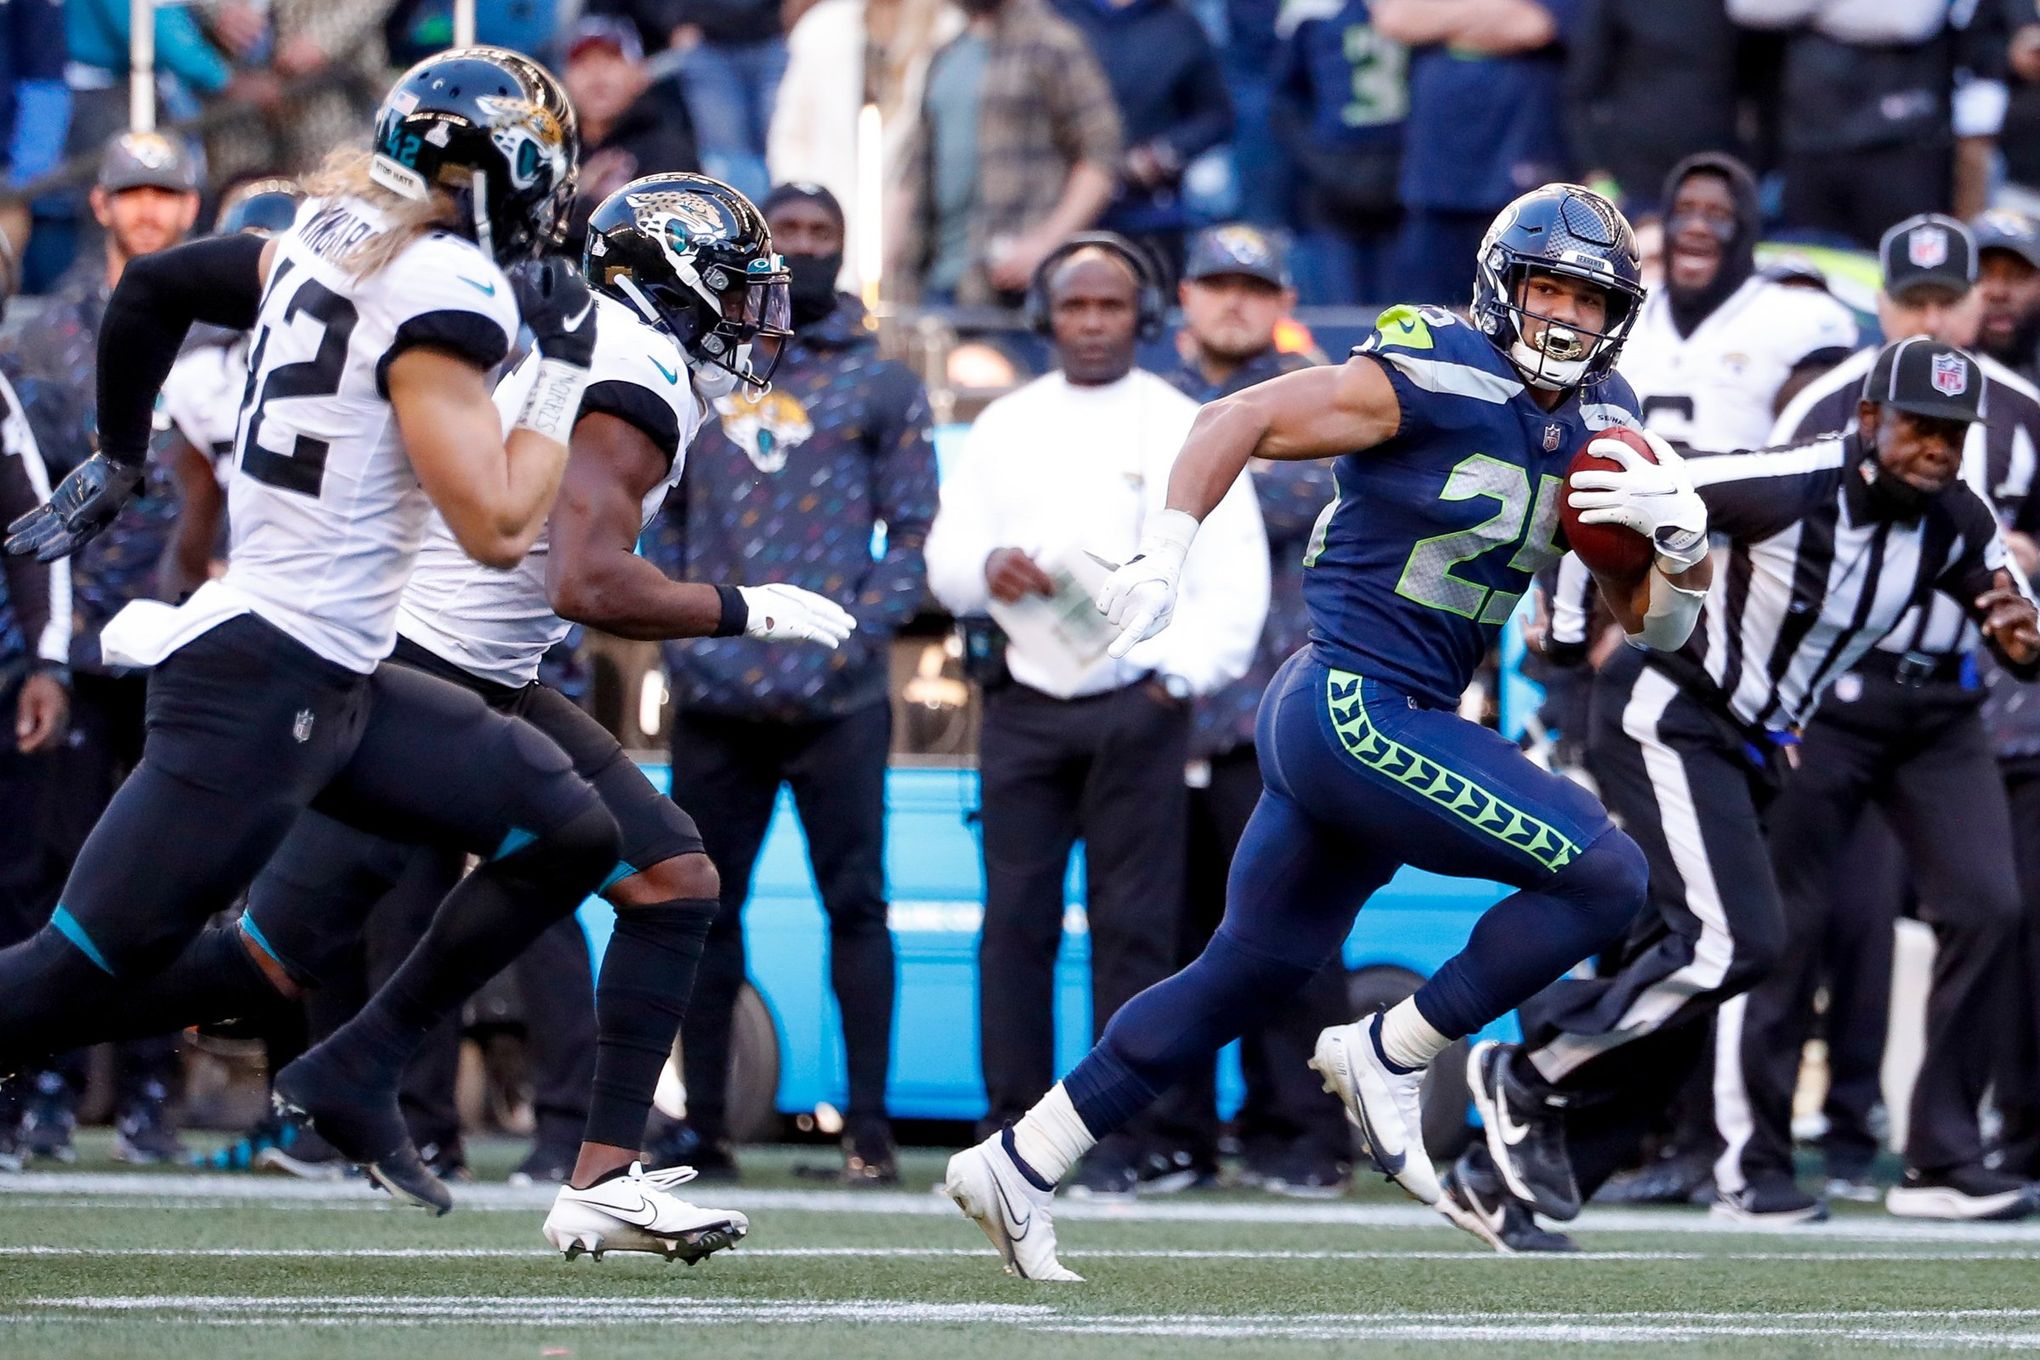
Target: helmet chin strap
[
  {"x": 1541, "y": 370},
  {"x": 478, "y": 190}
]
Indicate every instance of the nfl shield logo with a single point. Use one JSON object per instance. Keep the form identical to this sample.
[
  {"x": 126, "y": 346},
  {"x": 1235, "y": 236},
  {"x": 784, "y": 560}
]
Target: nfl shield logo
[
  {"x": 1928, "y": 247},
  {"x": 1951, "y": 374},
  {"x": 301, "y": 728},
  {"x": 1552, "y": 434}
]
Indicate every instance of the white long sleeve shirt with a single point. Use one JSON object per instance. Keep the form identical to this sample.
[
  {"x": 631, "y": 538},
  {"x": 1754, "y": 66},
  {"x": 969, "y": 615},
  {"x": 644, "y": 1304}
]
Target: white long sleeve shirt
[{"x": 1053, "y": 468}]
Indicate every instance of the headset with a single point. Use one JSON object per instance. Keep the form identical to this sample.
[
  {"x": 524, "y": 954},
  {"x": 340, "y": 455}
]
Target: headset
[{"x": 1150, "y": 307}]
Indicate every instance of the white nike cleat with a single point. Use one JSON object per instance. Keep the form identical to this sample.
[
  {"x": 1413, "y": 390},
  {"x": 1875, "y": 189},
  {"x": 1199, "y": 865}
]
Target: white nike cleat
[
  {"x": 988, "y": 1185},
  {"x": 638, "y": 1211},
  {"x": 1382, "y": 1103}
]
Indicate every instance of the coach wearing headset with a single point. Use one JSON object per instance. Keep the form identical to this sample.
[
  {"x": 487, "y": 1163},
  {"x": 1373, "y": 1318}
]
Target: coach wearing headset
[{"x": 1073, "y": 463}]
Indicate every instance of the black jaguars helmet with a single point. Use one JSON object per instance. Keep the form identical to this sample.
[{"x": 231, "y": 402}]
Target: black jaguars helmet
[
  {"x": 1560, "y": 229},
  {"x": 494, "y": 129},
  {"x": 693, "y": 257}
]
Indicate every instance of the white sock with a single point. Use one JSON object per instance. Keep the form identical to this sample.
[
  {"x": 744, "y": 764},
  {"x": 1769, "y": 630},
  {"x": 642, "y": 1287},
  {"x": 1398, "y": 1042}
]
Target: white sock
[
  {"x": 1407, "y": 1037},
  {"x": 1051, "y": 1136}
]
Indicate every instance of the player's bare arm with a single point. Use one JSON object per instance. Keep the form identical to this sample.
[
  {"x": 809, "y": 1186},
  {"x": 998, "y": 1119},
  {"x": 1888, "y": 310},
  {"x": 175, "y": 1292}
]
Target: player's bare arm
[
  {"x": 493, "y": 492},
  {"x": 1311, "y": 413},
  {"x": 593, "y": 574}
]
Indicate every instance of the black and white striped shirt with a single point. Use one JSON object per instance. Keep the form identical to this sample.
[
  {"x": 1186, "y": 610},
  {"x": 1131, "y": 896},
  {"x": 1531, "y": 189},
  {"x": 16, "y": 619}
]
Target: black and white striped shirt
[
  {"x": 1999, "y": 460},
  {"x": 1812, "y": 579}
]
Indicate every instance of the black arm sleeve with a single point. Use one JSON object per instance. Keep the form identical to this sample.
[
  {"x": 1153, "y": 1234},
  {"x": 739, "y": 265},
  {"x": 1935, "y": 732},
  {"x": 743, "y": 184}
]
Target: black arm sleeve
[{"x": 217, "y": 280}]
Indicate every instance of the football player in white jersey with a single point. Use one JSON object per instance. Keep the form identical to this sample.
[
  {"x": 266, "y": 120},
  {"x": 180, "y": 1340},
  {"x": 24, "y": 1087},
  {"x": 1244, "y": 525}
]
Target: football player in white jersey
[
  {"x": 691, "y": 302},
  {"x": 1719, "y": 349},
  {"x": 378, "y": 318},
  {"x": 202, "y": 404}
]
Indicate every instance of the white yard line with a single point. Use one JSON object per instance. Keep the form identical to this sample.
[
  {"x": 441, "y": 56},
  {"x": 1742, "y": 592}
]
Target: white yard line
[
  {"x": 202, "y": 1190},
  {"x": 1471, "y": 1254},
  {"x": 1885, "y": 1327}
]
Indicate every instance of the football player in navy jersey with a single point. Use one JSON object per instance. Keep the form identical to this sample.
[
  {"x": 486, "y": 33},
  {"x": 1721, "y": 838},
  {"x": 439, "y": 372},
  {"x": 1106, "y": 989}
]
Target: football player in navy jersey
[{"x": 1451, "y": 444}]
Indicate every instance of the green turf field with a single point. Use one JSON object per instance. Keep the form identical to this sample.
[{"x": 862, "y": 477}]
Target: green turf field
[{"x": 96, "y": 1262}]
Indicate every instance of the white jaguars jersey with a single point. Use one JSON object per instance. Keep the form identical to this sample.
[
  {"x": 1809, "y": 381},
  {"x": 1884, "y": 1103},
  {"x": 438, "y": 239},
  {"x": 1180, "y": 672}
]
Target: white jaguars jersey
[
  {"x": 497, "y": 624},
  {"x": 1714, "y": 390},
  {"x": 202, "y": 400},
  {"x": 327, "y": 515}
]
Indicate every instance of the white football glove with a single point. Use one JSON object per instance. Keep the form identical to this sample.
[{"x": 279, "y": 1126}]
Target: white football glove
[
  {"x": 1656, "y": 500},
  {"x": 1140, "y": 597},
  {"x": 783, "y": 613}
]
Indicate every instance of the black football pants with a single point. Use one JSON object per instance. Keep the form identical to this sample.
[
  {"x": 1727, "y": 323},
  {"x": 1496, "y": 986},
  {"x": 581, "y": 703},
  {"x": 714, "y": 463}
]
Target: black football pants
[
  {"x": 246, "y": 729},
  {"x": 729, "y": 769},
  {"x": 1920, "y": 752}
]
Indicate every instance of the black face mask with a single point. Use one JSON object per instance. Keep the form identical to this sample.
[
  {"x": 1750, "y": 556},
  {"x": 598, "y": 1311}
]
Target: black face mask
[
  {"x": 811, "y": 287},
  {"x": 1892, "y": 497}
]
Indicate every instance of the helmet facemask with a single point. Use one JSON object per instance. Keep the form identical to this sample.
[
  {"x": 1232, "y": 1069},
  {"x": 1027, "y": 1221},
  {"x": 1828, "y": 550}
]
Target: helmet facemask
[{"x": 1564, "y": 354}]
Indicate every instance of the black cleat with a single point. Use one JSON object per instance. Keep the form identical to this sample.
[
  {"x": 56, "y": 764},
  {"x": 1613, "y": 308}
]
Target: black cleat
[
  {"x": 1475, "y": 1199},
  {"x": 869, "y": 1156},
  {"x": 364, "y": 1125},
  {"x": 1525, "y": 1133},
  {"x": 1667, "y": 1180},
  {"x": 1775, "y": 1201},
  {"x": 1965, "y": 1193}
]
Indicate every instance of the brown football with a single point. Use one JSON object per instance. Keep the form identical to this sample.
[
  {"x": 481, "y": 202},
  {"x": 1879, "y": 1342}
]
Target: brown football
[{"x": 1608, "y": 549}]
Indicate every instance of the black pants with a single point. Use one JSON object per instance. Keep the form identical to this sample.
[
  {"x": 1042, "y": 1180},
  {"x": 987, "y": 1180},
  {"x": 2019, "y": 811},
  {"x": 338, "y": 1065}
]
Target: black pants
[
  {"x": 102, "y": 744},
  {"x": 246, "y": 729},
  {"x": 1682, "y": 783},
  {"x": 1921, "y": 753},
  {"x": 729, "y": 769},
  {"x": 2018, "y": 1082},
  {"x": 1872, "y": 882},
  {"x": 1107, "y": 769},
  {"x": 1860, "y": 194},
  {"x": 1284, "y": 1104}
]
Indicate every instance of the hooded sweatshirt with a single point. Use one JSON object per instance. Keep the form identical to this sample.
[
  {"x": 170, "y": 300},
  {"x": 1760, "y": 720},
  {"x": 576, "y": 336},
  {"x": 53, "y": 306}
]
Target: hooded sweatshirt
[
  {"x": 1738, "y": 254},
  {"x": 789, "y": 486}
]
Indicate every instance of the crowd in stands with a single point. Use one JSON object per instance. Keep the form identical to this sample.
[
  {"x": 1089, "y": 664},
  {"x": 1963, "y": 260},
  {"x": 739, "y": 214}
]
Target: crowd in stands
[{"x": 1380, "y": 135}]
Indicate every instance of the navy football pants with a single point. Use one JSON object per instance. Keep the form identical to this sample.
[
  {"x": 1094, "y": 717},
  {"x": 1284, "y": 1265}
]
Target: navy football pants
[{"x": 1361, "y": 779}]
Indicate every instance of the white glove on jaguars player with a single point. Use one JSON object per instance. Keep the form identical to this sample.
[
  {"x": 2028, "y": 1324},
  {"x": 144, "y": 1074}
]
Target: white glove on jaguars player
[
  {"x": 1140, "y": 597},
  {"x": 1656, "y": 500},
  {"x": 783, "y": 613}
]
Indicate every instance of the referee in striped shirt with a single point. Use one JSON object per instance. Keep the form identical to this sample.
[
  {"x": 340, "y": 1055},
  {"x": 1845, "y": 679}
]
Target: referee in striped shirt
[
  {"x": 1902, "y": 730},
  {"x": 1830, "y": 543}
]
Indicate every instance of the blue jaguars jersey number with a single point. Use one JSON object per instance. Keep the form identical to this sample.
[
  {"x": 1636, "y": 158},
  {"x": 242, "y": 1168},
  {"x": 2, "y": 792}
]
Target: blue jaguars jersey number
[{"x": 1428, "y": 577}]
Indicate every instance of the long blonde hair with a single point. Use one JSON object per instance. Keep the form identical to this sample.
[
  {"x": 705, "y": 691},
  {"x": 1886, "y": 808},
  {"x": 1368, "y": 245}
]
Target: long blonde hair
[{"x": 344, "y": 174}]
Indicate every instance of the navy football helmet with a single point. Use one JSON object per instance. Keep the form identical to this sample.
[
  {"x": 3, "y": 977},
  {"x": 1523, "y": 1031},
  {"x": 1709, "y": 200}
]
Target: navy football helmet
[
  {"x": 495, "y": 130},
  {"x": 693, "y": 257},
  {"x": 1569, "y": 230},
  {"x": 265, "y": 205}
]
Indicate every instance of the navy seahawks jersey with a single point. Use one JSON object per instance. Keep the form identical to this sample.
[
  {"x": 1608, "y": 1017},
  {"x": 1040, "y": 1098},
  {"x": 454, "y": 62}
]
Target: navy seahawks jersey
[{"x": 1435, "y": 533}]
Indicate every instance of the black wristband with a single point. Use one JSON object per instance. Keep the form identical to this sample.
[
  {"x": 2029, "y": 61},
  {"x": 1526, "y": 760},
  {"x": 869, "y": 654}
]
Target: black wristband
[{"x": 735, "y": 613}]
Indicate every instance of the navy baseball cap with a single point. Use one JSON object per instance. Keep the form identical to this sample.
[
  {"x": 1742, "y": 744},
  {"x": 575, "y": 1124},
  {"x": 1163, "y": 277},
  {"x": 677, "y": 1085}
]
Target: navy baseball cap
[
  {"x": 1237, "y": 248},
  {"x": 1927, "y": 378},
  {"x": 136, "y": 160},
  {"x": 2003, "y": 229}
]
